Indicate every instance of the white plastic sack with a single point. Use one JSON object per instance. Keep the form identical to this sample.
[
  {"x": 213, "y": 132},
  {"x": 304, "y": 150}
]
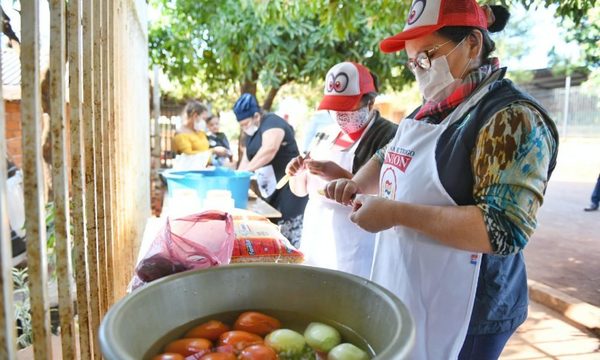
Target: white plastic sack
[
  {"x": 184, "y": 162},
  {"x": 16, "y": 203}
]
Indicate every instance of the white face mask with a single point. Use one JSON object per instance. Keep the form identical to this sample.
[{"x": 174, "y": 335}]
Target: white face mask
[
  {"x": 352, "y": 121},
  {"x": 251, "y": 130},
  {"x": 437, "y": 83},
  {"x": 200, "y": 125}
]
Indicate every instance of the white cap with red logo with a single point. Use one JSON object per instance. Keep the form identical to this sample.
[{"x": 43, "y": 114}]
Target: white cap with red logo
[
  {"x": 345, "y": 85},
  {"x": 427, "y": 16}
]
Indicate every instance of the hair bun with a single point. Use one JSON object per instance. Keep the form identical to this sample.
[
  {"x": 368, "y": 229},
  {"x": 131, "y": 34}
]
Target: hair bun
[{"x": 500, "y": 15}]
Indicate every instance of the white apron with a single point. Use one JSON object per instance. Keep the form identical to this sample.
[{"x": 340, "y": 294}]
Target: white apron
[
  {"x": 329, "y": 238},
  {"x": 436, "y": 282}
]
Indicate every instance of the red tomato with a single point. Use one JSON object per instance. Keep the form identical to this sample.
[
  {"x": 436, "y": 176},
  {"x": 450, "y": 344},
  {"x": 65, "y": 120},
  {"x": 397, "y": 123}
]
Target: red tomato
[
  {"x": 258, "y": 352},
  {"x": 219, "y": 356},
  {"x": 168, "y": 356},
  {"x": 187, "y": 347},
  {"x": 210, "y": 330},
  {"x": 239, "y": 339},
  {"x": 256, "y": 323}
]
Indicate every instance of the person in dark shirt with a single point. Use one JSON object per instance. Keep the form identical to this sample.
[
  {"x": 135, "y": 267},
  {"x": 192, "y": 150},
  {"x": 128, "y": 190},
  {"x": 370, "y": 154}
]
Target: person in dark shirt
[{"x": 270, "y": 145}]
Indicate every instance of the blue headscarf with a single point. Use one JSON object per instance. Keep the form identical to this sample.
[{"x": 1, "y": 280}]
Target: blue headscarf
[{"x": 245, "y": 107}]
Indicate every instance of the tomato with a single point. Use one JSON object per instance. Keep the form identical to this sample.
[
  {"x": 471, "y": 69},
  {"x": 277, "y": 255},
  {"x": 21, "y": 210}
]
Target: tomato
[
  {"x": 210, "y": 330},
  {"x": 187, "y": 347},
  {"x": 239, "y": 339},
  {"x": 256, "y": 323},
  {"x": 258, "y": 352},
  {"x": 168, "y": 356},
  {"x": 219, "y": 356}
]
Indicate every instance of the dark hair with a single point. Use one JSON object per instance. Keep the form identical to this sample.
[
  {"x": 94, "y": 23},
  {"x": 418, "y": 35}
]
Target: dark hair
[
  {"x": 194, "y": 107},
  {"x": 368, "y": 97},
  {"x": 211, "y": 117},
  {"x": 458, "y": 33}
]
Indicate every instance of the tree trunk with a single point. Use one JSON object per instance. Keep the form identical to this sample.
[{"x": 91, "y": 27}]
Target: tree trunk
[
  {"x": 248, "y": 87},
  {"x": 270, "y": 97}
]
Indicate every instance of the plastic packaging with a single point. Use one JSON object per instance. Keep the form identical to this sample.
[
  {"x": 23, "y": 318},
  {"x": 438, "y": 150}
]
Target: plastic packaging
[
  {"x": 259, "y": 240},
  {"x": 196, "y": 241}
]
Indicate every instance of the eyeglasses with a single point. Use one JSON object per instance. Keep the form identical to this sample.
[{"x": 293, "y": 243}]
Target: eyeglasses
[{"x": 423, "y": 59}]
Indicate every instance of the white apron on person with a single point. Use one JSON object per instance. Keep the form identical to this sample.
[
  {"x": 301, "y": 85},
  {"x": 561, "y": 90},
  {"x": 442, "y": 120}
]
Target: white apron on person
[
  {"x": 266, "y": 180},
  {"x": 329, "y": 238},
  {"x": 436, "y": 282}
]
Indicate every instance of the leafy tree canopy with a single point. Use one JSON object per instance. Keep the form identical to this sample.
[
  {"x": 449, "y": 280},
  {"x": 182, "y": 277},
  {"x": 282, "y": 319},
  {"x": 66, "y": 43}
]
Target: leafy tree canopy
[{"x": 217, "y": 49}]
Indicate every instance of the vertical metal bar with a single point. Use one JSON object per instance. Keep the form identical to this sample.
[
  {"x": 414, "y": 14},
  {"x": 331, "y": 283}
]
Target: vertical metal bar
[
  {"x": 566, "y": 107},
  {"x": 99, "y": 153},
  {"x": 156, "y": 107},
  {"x": 107, "y": 145},
  {"x": 77, "y": 184},
  {"x": 89, "y": 161},
  {"x": 7, "y": 319},
  {"x": 32, "y": 179},
  {"x": 116, "y": 125},
  {"x": 59, "y": 174}
]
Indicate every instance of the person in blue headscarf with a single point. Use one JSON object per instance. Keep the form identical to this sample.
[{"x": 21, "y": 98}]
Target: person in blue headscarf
[{"x": 269, "y": 146}]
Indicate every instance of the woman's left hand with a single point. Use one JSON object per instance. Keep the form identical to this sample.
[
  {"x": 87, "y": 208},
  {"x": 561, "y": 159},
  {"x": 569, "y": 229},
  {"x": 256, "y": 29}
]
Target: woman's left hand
[
  {"x": 328, "y": 170},
  {"x": 372, "y": 213}
]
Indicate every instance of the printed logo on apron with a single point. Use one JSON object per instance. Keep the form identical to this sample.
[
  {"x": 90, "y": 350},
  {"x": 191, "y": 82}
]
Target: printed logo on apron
[{"x": 266, "y": 180}]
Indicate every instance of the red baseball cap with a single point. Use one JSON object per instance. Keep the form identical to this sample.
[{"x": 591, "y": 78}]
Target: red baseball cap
[
  {"x": 427, "y": 16},
  {"x": 345, "y": 85}
]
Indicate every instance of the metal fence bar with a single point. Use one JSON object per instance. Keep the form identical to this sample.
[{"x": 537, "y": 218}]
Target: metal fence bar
[
  {"x": 117, "y": 22},
  {"x": 107, "y": 145},
  {"x": 7, "y": 319},
  {"x": 32, "y": 178},
  {"x": 77, "y": 183},
  {"x": 59, "y": 175},
  {"x": 89, "y": 170},
  {"x": 99, "y": 154}
]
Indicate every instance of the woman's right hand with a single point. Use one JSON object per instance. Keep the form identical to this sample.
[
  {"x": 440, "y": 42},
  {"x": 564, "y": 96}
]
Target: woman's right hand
[
  {"x": 294, "y": 166},
  {"x": 342, "y": 191}
]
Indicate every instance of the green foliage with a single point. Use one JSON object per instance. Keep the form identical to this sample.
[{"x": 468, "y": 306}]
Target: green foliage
[
  {"x": 214, "y": 50},
  {"x": 22, "y": 307},
  {"x": 241, "y": 43},
  {"x": 586, "y": 33},
  {"x": 20, "y": 279}
]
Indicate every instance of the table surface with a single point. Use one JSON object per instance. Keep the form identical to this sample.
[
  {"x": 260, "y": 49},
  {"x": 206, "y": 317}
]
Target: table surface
[{"x": 263, "y": 208}]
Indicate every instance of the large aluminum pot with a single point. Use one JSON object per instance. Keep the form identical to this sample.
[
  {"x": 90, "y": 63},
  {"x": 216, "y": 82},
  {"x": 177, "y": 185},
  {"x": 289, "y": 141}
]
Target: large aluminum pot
[{"x": 140, "y": 319}]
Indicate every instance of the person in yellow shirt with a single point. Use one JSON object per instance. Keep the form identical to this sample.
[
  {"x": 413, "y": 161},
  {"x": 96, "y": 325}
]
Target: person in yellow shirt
[{"x": 191, "y": 137}]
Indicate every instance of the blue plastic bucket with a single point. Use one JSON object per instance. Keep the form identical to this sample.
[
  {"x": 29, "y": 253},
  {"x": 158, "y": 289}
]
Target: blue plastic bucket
[{"x": 220, "y": 178}]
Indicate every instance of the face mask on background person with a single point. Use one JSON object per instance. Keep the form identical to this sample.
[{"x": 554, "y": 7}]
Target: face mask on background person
[
  {"x": 352, "y": 121},
  {"x": 251, "y": 129},
  {"x": 200, "y": 125},
  {"x": 437, "y": 83}
]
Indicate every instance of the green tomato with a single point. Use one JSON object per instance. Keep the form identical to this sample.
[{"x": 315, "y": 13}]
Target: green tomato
[
  {"x": 285, "y": 341},
  {"x": 322, "y": 337},
  {"x": 347, "y": 351}
]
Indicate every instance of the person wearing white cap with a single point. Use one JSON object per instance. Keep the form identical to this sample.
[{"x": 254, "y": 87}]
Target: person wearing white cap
[
  {"x": 329, "y": 238},
  {"x": 458, "y": 187}
]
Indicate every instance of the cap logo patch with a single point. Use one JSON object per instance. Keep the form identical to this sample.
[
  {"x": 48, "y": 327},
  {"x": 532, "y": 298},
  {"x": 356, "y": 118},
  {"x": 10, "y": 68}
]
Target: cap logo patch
[
  {"x": 337, "y": 83},
  {"x": 416, "y": 10}
]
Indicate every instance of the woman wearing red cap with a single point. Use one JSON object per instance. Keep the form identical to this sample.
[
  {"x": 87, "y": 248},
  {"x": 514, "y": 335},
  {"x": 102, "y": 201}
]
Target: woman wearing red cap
[
  {"x": 458, "y": 187},
  {"x": 329, "y": 239}
]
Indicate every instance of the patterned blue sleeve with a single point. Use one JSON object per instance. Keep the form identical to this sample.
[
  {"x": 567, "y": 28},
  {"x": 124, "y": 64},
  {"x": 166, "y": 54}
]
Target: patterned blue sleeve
[
  {"x": 510, "y": 167},
  {"x": 379, "y": 155}
]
